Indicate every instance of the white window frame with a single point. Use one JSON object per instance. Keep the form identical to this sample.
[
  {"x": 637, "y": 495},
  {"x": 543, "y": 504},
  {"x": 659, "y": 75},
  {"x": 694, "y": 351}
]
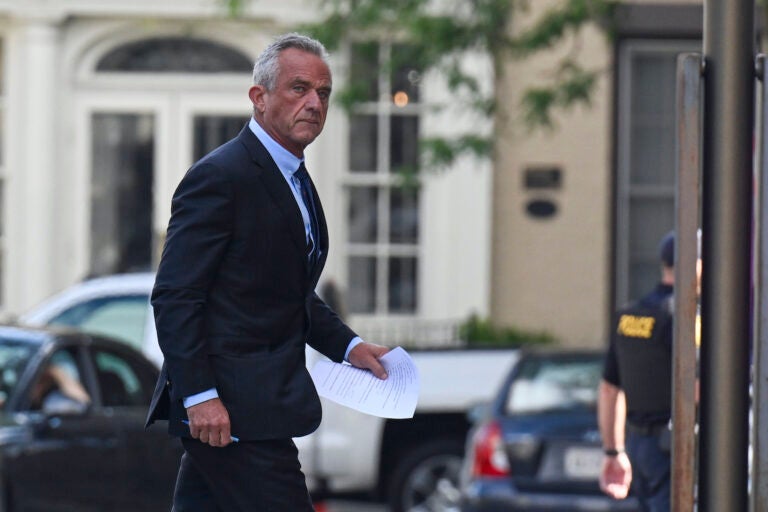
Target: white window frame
[{"x": 382, "y": 179}]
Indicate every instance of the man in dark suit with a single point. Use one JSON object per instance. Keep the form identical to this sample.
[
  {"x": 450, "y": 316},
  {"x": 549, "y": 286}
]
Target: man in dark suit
[{"x": 234, "y": 299}]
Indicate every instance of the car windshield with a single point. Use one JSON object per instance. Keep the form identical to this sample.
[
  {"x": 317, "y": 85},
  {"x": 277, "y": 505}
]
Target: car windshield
[
  {"x": 547, "y": 384},
  {"x": 14, "y": 358},
  {"x": 122, "y": 317}
]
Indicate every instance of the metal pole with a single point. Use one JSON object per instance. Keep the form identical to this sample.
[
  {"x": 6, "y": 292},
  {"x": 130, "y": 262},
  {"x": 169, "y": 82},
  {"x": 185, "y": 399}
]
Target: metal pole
[
  {"x": 727, "y": 208},
  {"x": 687, "y": 208},
  {"x": 759, "y": 496}
]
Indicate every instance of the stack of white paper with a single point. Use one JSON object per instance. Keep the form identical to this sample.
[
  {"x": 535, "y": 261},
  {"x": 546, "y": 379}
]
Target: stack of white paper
[{"x": 361, "y": 390}]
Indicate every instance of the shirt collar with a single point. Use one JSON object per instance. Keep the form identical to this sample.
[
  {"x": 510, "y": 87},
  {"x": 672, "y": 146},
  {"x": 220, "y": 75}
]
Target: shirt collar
[{"x": 286, "y": 161}]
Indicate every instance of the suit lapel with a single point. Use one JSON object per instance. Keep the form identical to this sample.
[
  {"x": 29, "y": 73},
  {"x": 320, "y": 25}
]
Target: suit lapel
[{"x": 277, "y": 186}]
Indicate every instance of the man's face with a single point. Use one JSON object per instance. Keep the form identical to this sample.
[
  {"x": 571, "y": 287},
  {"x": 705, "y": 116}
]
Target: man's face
[{"x": 294, "y": 112}]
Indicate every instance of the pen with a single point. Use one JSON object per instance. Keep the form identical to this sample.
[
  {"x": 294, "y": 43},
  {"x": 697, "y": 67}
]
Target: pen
[{"x": 233, "y": 438}]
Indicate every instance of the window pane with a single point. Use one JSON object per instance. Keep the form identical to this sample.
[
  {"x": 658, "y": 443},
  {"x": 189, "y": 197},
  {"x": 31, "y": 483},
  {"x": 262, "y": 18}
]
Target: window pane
[
  {"x": 363, "y": 143},
  {"x": 2, "y": 162},
  {"x": 557, "y": 384},
  {"x": 650, "y": 220},
  {"x": 406, "y": 76},
  {"x": 395, "y": 277},
  {"x": 362, "y": 284},
  {"x": 2, "y": 68},
  {"x": 175, "y": 55},
  {"x": 59, "y": 388},
  {"x": 404, "y": 216},
  {"x": 364, "y": 71},
  {"x": 15, "y": 355},
  {"x": 402, "y": 285},
  {"x": 363, "y": 214},
  {"x": 122, "y": 318},
  {"x": 404, "y": 143},
  {"x": 2, "y": 207},
  {"x": 211, "y": 132},
  {"x": 119, "y": 382},
  {"x": 652, "y": 152},
  {"x": 121, "y": 192},
  {"x": 2, "y": 134},
  {"x": 2, "y": 275}
]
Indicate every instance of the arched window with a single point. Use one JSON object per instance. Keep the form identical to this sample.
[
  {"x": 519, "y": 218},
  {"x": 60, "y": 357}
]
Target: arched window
[{"x": 175, "y": 55}]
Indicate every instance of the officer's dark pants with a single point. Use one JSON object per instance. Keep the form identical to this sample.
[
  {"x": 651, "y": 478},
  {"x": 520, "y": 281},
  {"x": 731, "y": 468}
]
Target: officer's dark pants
[{"x": 651, "y": 468}]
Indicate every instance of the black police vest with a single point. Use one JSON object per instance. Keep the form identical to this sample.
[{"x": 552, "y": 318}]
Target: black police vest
[{"x": 643, "y": 344}]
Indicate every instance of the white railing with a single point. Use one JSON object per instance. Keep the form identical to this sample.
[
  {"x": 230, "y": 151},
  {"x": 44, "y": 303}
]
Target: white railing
[{"x": 409, "y": 332}]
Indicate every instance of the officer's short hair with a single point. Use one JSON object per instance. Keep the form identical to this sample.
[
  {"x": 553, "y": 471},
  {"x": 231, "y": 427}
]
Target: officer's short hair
[{"x": 667, "y": 249}]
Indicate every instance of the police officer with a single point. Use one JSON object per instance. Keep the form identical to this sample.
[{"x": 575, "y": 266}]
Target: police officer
[{"x": 635, "y": 395}]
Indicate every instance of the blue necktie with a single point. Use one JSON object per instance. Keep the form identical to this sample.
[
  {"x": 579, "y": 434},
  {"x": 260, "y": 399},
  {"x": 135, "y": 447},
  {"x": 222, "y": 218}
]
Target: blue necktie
[{"x": 309, "y": 202}]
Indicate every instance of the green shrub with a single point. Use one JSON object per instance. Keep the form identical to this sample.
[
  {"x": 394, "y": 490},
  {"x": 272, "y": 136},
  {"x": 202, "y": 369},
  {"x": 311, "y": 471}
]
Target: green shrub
[{"x": 477, "y": 331}]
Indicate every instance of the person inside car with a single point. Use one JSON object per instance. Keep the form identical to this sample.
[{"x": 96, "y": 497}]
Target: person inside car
[{"x": 57, "y": 389}]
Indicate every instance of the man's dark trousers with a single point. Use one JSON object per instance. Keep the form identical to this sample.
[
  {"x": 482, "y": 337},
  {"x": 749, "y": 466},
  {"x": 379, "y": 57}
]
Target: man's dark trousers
[{"x": 249, "y": 476}]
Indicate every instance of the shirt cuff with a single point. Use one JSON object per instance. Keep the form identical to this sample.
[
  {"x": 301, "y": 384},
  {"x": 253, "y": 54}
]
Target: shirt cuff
[
  {"x": 352, "y": 344},
  {"x": 199, "y": 398}
]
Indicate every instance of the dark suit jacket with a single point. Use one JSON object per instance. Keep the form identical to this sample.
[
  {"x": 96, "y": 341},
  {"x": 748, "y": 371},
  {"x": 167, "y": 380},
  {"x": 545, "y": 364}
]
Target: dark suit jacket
[{"x": 234, "y": 297}]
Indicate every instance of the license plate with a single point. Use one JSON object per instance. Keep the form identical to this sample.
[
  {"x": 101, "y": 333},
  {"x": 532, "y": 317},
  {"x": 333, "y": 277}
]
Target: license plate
[{"x": 582, "y": 463}]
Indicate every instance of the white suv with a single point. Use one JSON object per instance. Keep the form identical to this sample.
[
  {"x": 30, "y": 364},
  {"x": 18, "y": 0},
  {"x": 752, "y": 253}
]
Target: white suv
[{"x": 116, "y": 306}]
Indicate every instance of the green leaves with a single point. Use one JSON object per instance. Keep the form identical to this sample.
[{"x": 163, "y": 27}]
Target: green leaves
[
  {"x": 572, "y": 85},
  {"x": 566, "y": 18},
  {"x": 482, "y": 332},
  {"x": 234, "y": 8},
  {"x": 440, "y": 39},
  {"x": 440, "y": 153}
]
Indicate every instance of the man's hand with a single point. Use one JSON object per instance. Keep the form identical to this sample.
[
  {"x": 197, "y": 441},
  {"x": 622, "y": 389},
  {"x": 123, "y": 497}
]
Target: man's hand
[
  {"x": 616, "y": 476},
  {"x": 209, "y": 422},
  {"x": 366, "y": 355}
]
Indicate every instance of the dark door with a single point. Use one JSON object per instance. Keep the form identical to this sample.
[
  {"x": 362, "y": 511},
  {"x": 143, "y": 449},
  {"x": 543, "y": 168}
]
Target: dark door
[
  {"x": 71, "y": 459},
  {"x": 126, "y": 382}
]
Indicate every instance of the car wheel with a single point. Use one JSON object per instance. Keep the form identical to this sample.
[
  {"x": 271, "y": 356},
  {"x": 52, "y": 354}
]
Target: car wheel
[{"x": 427, "y": 478}]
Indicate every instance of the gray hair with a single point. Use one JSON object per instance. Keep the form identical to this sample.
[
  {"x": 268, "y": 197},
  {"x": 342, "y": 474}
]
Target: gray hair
[{"x": 267, "y": 66}]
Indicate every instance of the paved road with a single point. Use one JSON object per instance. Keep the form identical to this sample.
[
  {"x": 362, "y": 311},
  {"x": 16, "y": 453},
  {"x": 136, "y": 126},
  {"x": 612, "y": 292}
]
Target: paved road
[{"x": 352, "y": 506}]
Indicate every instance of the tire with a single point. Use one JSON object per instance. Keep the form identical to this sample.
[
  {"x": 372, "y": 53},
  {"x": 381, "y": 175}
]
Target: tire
[{"x": 426, "y": 478}]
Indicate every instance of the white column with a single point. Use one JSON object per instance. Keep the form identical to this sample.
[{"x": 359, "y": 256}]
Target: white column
[{"x": 32, "y": 117}]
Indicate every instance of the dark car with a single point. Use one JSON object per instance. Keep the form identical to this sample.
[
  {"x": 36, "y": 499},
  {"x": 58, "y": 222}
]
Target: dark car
[
  {"x": 72, "y": 410},
  {"x": 538, "y": 446}
]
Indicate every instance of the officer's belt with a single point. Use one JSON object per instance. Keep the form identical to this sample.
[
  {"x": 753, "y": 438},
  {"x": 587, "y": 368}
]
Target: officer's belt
[{"x": 654, "y": 429}]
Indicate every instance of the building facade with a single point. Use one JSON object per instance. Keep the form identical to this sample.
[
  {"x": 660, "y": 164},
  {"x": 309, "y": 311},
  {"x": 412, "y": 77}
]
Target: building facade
[
  {"x": 106, "y": 103},
  {"x": 606, "y": 172}
]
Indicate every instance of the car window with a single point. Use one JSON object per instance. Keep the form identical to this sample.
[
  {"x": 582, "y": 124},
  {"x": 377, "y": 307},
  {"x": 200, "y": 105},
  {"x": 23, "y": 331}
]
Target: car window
[
  {"x": 14, "y": 358},
  {"x": 554, "y": 384},
  {"x": 123, "y": 381},
  {"x": 123, "y": 317},
  {"x": 58, "y": 386}
]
